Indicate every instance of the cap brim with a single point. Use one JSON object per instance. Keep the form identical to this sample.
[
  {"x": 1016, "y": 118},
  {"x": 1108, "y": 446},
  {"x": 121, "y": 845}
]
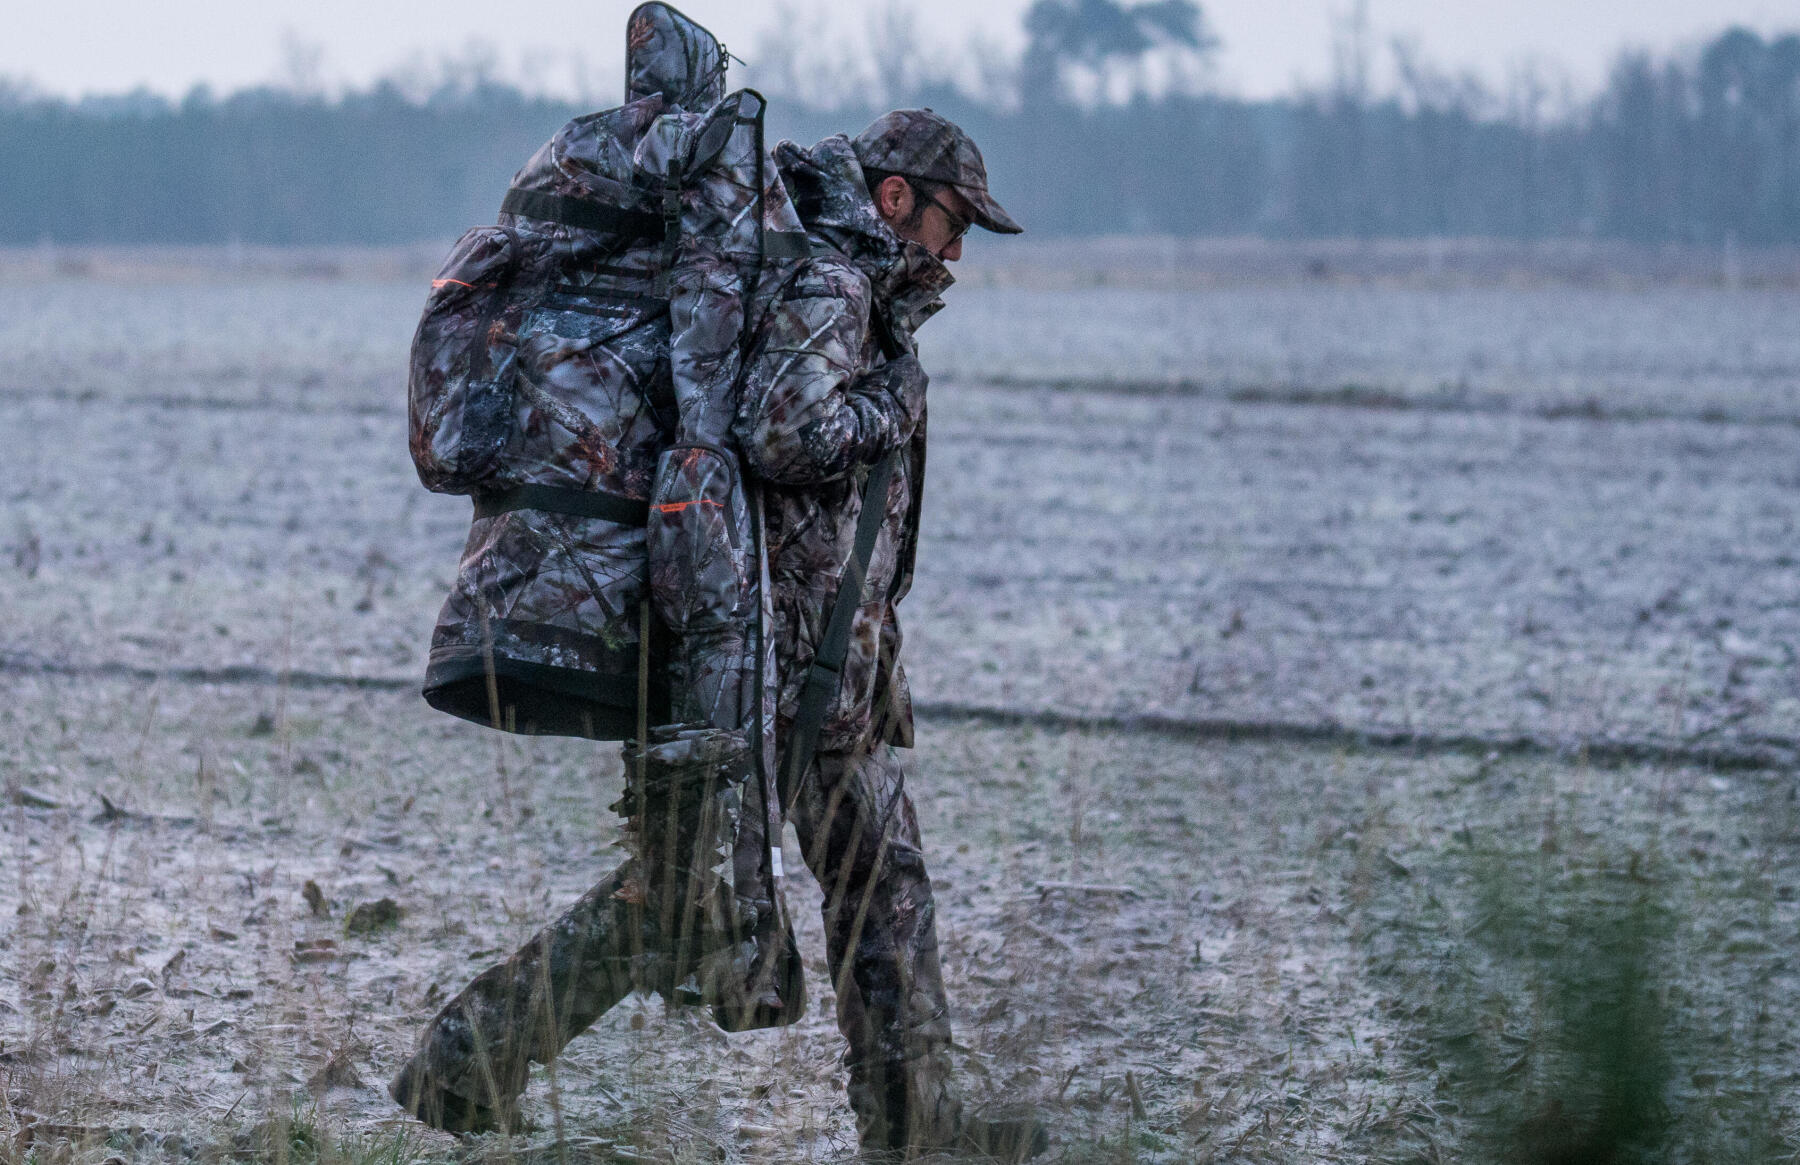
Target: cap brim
[{"x": 990, "y": 215}]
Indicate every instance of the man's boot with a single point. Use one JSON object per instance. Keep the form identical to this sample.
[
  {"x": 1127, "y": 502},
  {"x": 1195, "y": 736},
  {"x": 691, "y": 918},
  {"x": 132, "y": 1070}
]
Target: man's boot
[
  {"x": 910, "y": 1108},
  {"x": 417, "y": 1091},
  {"x": 1012, "y": 1137},
  {"x": 474, "y": 1058}
]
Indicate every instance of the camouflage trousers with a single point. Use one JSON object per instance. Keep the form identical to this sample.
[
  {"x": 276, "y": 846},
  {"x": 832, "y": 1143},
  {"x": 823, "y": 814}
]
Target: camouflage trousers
[{"x": 860, "y": 838}]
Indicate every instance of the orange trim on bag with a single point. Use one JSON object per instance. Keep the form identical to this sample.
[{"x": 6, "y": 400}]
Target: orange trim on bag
[
  {"x": 677, "y": 507},
  {"x": 437, "y": 283}
]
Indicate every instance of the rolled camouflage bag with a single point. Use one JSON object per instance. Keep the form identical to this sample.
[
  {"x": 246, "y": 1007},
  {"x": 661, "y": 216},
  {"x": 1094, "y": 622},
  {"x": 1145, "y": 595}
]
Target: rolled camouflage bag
[{"x": 686, "y": 816}]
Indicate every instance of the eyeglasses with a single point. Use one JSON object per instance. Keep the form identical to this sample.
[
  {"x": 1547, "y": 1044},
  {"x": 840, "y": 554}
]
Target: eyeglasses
[{"x": 959, "y": 226}]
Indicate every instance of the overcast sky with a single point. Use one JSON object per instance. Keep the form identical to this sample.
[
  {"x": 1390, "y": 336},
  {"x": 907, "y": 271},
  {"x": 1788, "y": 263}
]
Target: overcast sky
[{"x": 71, "y": 47}]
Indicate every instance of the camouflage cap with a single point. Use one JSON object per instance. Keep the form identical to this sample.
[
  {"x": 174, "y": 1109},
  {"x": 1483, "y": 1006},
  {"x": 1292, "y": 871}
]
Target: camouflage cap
[{"x": 921, "y": 144}]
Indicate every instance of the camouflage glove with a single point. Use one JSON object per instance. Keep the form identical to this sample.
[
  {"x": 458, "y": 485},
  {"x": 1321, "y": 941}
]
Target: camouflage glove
[{"x": 903, "y": 382}]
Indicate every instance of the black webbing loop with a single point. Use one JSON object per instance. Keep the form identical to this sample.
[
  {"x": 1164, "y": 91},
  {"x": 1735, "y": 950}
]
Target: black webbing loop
[
  {"x": 578, "y": 212},
  {"x": 826, "y": 673},
  {"x": 551, "y": 499},
  {"x": 786, "y": 245}
]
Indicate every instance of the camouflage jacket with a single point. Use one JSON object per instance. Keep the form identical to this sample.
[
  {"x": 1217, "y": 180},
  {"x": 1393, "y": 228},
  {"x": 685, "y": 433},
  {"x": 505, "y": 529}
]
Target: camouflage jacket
[{"x": 819, "y": 406}]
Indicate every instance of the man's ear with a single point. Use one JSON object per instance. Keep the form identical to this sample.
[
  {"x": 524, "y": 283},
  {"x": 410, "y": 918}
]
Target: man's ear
[{"x": 893, "y": 198}]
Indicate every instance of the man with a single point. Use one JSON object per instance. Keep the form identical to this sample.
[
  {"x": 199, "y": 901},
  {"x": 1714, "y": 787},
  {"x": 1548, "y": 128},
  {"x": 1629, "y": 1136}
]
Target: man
[
  {"x": 822, "y": 405},
  {"x": 832, "y": 391}
]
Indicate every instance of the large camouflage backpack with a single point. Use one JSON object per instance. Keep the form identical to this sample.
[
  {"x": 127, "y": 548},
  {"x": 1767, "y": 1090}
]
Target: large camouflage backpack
[
  {"x": 562, "y": 353},
  {"x": 575, "y": 372}
]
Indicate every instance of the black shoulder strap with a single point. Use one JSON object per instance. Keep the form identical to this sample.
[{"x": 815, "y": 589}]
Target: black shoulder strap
[
  {"x": 885, "y": 335},
  {"x": 826, "y": 673}
]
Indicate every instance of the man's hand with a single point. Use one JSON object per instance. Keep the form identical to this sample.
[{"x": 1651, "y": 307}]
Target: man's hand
[
  {"x": 904, "y": 380},
  {"x": 811, "y": 409}
]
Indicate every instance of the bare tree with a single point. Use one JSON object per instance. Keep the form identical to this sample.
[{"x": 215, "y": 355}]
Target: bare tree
[
  {"x": 821, "y": 69},
  {"x": 1350, "y": 55},
  {"x": 895, "y": 53},
  {"x": 302, "y": 65},
  {"x": 1072, "y": 38}
]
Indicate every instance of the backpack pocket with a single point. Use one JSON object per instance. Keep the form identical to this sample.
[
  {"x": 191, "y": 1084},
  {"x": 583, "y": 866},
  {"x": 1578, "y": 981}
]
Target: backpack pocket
[
  {"x": 464, "y": 355},
  {"x": 697, "y": 561}
]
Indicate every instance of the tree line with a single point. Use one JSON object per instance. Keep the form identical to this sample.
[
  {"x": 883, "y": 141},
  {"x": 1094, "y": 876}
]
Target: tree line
[{"x": 1105, "y": 125}]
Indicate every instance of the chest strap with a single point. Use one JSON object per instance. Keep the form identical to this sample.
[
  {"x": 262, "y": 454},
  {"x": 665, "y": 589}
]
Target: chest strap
[
  {"x": 551, "y": 499},
  {"x": 581, "y": 213}
]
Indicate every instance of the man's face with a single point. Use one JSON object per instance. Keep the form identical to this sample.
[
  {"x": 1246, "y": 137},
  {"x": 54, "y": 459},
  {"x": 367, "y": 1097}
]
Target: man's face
[{"x": 937, "y": 223}]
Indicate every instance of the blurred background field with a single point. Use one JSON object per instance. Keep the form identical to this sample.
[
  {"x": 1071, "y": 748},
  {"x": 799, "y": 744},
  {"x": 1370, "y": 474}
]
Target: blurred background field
[
  {"x": 1545, "y": 512},
  {"x": 1360, "y": 625}
]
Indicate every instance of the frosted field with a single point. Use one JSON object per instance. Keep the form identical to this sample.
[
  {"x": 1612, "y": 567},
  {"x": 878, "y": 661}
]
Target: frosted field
[
  {"x": 1598, "y": 543},
  {"x": 1323, "y": 615}
]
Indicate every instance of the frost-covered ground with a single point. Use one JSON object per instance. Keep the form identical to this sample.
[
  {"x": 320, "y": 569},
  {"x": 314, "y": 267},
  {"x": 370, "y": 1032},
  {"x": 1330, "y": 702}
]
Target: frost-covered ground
[
  {"x": 211, "y": 475},
  {"x": 1195, "y": 560}
]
